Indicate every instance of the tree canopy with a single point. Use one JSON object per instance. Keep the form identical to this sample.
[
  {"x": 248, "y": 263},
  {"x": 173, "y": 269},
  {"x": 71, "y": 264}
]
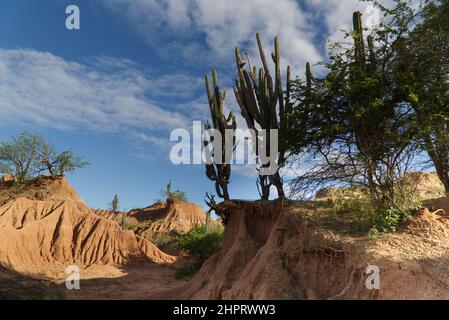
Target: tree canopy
[{"x": 30, "y": 155}]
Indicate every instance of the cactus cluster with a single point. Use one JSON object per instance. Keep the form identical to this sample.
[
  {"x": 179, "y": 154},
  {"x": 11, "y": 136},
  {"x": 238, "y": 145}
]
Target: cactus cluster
[
  {"x": 263, "y": 102},
  {"x": 220, "y": 173}
]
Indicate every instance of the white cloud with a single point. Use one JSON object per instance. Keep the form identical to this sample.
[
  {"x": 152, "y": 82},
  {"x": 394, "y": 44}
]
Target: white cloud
[
  {"x": 338, "y": 14},
  {"x": 207, "y": 31},
  {"x": 44, "y": 90},
  {"x": 116, "y": 96}
]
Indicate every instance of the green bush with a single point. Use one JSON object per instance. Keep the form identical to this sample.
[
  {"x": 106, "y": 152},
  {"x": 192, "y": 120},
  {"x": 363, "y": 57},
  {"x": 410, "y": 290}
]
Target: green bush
[
  {"x": 186, "y": 270},
  {"x": 129, "y": 223},
  {"x": 163, "y": 240},
  {"x": 389, "y": 219},
  {"x": 200, "y": 243},
  {"x": 358, "y": 213},
  {"x": 365, "y": 219},
  {"x": 352, "y": 204},
  {"x": 171, "y": 194}
]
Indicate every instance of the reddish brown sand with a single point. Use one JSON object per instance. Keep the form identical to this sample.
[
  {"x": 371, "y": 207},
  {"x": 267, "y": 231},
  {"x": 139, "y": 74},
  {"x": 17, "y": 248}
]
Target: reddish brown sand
[
  {"x": 170, "y": 217},
  {"x": 39, "y": 239},
  {"x": 272, "y": 250},
  {"x": 275, "y": 250}
]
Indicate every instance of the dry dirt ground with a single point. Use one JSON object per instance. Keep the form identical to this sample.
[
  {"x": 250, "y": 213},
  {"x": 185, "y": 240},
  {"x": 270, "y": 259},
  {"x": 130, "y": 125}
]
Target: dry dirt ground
[
  {"x": 46, "y": 227},
  {"x": 272, "y": 250},
  {"x": 288, "y": 250},
  {"x": 135, "y": 282}
]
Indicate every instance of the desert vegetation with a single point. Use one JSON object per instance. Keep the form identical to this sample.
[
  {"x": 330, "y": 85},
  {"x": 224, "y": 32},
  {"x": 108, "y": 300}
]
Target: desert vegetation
[
  {"x": 30, "y": 155},
  {"x": 219, "y": 171},
  {"x": 355, "y": 130},
  {"x": 379, "y": 111},
  {"x": 265, "y": 105},
  {"x": 114, "y": 205},
  {"x": 170, "y": 194},
  {"x": 200, "y": 242}
]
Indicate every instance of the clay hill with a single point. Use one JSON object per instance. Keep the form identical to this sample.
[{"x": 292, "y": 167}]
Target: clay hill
[
  {"x": 290, "y": 250},
  {"x": 164, "y": 217},
  {"x": 46, "y": 226},
  {"x": 272, "y": 250}
]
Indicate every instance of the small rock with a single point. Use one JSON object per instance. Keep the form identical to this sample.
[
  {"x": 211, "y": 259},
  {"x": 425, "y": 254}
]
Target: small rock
[{"x": 7, "y": 178}]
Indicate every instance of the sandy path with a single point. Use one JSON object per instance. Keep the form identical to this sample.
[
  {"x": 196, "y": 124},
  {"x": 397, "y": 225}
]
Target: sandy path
[
  {"x": 129, "y": 282},
  {"x": 98, "y": 282}
]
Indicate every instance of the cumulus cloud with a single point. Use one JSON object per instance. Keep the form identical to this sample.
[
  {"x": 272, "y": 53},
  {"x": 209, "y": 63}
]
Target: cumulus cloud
[
  {"x": 113, "y": 96},
  {"x": 337, "y": 14},
  {"x": 207, "y": 31},
  {"x": 117, "y": 96}
]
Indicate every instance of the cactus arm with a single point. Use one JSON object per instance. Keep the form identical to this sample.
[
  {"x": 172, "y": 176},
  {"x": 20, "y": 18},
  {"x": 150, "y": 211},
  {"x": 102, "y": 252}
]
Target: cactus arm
[
  {"x": 211, "y": 101},
  {"x": 262, "y": 54},
  {"x": 278, "y": 81},
  {"x": 249, "y": 96}
]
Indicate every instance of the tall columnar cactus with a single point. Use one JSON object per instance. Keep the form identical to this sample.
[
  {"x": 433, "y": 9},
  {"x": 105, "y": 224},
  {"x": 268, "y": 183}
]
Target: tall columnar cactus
[
  {"x": 359, "y": 42},
  {"x": 264, "y": 102},
  {"x": 360, "y": 56},
  {"x": 308, "y": 85},
  {"x": 220, "y": 173},
  {"x": 372, "y": 55}
]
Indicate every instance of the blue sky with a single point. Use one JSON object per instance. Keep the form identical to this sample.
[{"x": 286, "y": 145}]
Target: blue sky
[{"x": 113, "y": 90}]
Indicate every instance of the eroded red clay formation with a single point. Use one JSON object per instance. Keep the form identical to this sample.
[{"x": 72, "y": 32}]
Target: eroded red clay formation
[
  {"x": 43, "y": 237},
  {"x": 272, "y": 250},
  {"x": 169, "y": 217}
]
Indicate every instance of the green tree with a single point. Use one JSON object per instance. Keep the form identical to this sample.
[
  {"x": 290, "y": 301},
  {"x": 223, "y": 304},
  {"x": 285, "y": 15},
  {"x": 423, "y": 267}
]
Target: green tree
[
  {"x": 30, "y": 155},
  {"x": 20, "y": 156},
  {"x": 58, "y": 163},
  {"x": 423, "y": 69},
  {"x": 351, "y": 121}
]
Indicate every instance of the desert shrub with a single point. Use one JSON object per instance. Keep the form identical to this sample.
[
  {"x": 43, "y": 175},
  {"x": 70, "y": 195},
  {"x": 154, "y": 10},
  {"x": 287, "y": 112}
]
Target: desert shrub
[
  {"x": 390, "y": 219},
  {"x": 163, "y": 240},
  {"x": 352, "y": 204},
  {"x": 20, "y": 156},
  {"x": 129, "y": 224},
  {"x": 408, "y": 197},
  {"x": 186, "y": 270},
  {"x": 200, "y": 243},
  {"x": 357, "y": 210},
  {"x": 364, "y": 218},
  {"x": 171, "y": 194}
]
